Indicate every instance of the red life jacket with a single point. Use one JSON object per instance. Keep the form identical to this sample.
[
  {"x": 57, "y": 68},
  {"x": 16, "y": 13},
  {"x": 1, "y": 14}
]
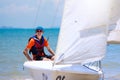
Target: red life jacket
[{"x": 38, "y": 48}]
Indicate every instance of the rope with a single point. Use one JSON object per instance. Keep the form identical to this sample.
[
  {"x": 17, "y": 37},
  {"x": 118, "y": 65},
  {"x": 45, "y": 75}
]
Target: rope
[
  {"x": 36, "y": 17},
  {"x": 54, "y": 17},
  {"x": 56, "y": 11}
]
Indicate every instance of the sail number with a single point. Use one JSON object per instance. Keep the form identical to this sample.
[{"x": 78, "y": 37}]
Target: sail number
[{"x": 60, "y": 77}]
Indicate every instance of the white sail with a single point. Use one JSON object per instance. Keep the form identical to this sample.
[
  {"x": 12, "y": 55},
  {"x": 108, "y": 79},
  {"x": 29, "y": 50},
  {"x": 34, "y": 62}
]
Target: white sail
[
  {"x": 82, "y": 37},
  {"x": 114, "y": 11},
  {"x": 113, "y": 35}
]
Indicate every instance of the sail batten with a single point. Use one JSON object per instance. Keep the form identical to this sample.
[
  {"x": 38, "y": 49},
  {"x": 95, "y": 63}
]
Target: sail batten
[{"x": 82, "y": 36}]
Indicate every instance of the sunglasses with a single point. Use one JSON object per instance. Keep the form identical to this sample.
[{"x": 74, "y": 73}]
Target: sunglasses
[{"x": 39, "y": 31}]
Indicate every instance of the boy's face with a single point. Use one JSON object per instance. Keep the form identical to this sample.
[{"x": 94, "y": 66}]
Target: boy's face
[{"x": 39, "y": 33}]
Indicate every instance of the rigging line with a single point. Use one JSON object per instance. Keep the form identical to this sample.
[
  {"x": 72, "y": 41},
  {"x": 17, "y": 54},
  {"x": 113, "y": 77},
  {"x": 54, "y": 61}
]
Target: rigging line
[
  {"x": 56, "y": 13},
  {"x": 54, "y": 17},
  {"x": 36, "y": 16}
]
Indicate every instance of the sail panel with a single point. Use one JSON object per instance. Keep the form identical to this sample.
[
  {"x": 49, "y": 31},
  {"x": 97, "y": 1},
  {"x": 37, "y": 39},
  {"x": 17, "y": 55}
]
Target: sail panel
[
  {"x": 114, "y": 12},
  {"x": 79, "y": 42},
  {"x": 114, "y": 23}
]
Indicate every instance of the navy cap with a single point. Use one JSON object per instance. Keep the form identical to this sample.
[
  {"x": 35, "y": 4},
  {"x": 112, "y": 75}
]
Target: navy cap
[{"x": 40, "y": 28}]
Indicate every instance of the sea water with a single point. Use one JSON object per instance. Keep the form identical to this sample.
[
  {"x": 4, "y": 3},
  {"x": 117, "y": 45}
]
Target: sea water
[{"x": 13, "y": 42}]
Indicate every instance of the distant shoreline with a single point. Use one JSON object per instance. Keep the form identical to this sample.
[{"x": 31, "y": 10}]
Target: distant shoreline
[{"x": 26, "y": 28}]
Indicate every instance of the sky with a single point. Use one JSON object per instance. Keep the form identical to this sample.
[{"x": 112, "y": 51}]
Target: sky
[{"x": 30, "y": 13}]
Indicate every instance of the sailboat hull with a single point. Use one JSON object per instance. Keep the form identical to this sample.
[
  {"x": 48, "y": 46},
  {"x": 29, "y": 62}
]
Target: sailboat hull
[{"x": 43, "y": 70}]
